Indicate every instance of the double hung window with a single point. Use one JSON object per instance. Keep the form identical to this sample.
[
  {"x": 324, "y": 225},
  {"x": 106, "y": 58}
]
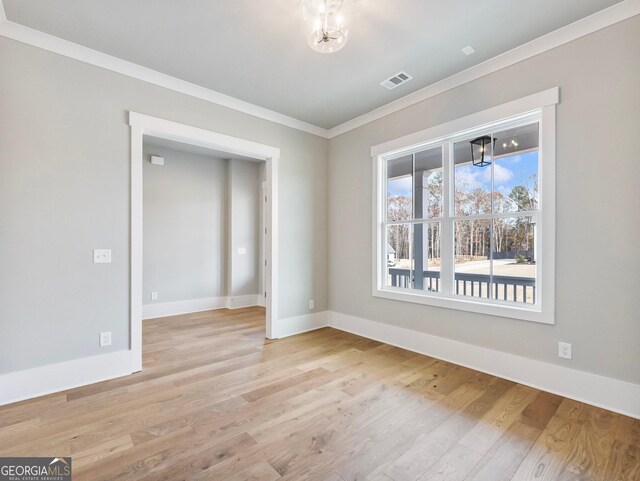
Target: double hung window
[{"x": 459, "y": 219}]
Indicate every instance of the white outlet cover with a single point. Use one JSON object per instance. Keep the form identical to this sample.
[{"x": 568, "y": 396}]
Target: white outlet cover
[
  {"x": 154, "y": 296},
  {"x": 102, "y": 256},
  {"x": 242, "y": 251},
  {"x": 312, "y": 304},
  {"x": 564, "y": 350}
]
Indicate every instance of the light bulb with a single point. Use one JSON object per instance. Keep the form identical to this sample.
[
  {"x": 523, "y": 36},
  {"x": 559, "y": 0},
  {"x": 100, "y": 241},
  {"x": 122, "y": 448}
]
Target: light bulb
[{"x": 326, "y": 23}]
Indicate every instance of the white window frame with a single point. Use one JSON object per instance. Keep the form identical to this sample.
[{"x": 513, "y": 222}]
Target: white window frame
[{"x": 540, "y": 107}]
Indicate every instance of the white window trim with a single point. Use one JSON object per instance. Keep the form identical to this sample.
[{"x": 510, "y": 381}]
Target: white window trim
[{"x": 541, "y": 106}]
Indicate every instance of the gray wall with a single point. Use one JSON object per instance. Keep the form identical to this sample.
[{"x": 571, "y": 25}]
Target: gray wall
[
  {"x": 244, "y": 221},
  {"x": 64, "y": 190},
  {"x": 185, "y": 226},
  {"x": 598, "y": 221}
]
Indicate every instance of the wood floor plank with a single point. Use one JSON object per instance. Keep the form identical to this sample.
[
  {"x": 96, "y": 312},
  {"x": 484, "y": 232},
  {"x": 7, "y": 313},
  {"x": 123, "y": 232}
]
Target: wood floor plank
[
  {"x": 506, "y": 455},
  {"x": 217, "y": 401},
  {"x": 624, "y": 463},
  {"x": 453, "y": 466},
  {"x": 547, "y": 457},
  {"x": 494, "y": 424},
  {"x": 429, "y": 448},
  {"x": 589, "y": 453},
  {"x": 539, "y": 412},
  {"x": 262, "y": 471}
]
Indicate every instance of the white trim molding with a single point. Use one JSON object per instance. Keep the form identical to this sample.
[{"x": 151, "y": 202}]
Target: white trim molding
[
  {"x": 537, "y": 108},
  {"x": 175, "y": 308},
  {"x": 40, "y": 381},
  {"x": 522, "y": 105},
  {"x": 248, "y": 300},
  {"x": 75, "y": 51},
  {"x": 585, "y": 26},
  {"x": 142, "y": 125},
  {"x": 612, "y": 394},
  {"x": 189, "y": 306},
  {"x": 305, "y": 323}
]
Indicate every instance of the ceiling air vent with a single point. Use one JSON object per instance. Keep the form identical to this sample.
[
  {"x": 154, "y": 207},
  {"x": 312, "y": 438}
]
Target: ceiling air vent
[{"x": 396, "y": 80}]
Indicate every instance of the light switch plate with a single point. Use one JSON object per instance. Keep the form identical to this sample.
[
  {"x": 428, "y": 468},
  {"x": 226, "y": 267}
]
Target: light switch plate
[
  {"x": 105, "y": 339},
  {"x": 242, "y": 250},
  {"x": 102, "y": 256}
]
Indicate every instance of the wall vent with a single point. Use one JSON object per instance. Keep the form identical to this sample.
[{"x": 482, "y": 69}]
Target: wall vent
[{"x": 397, "y": 80}]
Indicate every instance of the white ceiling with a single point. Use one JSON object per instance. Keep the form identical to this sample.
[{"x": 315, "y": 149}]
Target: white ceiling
[{"x": 254, "y": 50}]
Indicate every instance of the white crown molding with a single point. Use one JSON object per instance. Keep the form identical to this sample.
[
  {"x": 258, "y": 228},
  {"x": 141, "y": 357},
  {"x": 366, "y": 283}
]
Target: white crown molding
[
  {"x": 72, "y": 50},
  {"x": 608, "y": 393},
  {"x": 597, "y": 21}
]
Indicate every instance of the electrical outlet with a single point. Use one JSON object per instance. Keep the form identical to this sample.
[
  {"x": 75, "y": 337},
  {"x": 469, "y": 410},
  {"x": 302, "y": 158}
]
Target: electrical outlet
[
  {"x": 105, "y": 339},
  {"x": 312, "y": 304},
  {"x": 154, "y": 296},
  {"x": 564, "y": 350}
]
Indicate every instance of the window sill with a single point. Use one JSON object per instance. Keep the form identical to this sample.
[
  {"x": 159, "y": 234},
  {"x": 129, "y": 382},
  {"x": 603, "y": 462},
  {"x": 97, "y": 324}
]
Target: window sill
[{"x": 531, "y": 314}]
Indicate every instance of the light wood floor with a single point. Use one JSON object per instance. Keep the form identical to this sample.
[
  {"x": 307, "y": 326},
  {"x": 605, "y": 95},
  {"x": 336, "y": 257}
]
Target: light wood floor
[{"x": 217, "y": 401}]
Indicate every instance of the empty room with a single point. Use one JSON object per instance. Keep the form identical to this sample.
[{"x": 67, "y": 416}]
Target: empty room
[{"x": 329, "y": 240}]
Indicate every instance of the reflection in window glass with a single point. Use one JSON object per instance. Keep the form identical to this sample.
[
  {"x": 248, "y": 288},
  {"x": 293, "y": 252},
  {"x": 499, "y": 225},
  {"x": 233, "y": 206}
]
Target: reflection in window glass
[
  {"x": 472, "y": 257},
  {"x": 515, "y": 169},
  {"x": 399, "y": 256},
  {"x": 472, "y": 184},
  {"x": 427, "y": 256},
  {"x": 489, "y": 228},
  {"x": 428, "y": 184},
  {"x": 514, "y": 262},
  {"x": 400, "y": 188}
]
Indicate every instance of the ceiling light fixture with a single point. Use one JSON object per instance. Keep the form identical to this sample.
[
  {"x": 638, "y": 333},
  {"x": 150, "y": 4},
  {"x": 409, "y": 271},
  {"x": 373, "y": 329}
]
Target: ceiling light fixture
[{"x": 325, "y": 24}]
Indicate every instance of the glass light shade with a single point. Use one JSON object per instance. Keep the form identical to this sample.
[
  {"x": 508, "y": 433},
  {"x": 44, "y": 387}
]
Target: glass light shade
[
  {"x": 326, "y": 24},
  {"x": 482, "y": 150}
]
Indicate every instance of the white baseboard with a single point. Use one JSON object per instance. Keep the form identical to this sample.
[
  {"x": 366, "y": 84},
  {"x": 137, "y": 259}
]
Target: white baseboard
[
  {"x": 237, "y": 302},
  {"x": 164, "y": 309},
  {"x": 299, "y": 324},
  {"x": 39, "y": 381},
  {"x": 615, "y": 395},
  {"x": 612, "y": 394}
]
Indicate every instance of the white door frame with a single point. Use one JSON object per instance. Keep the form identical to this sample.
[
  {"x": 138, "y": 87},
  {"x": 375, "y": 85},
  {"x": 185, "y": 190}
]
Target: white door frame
[
  {"x": 263, "y": 238},
  {"x": 141, "y": 125}
]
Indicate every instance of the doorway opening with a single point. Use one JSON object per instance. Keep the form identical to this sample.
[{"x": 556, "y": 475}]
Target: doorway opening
[{"x": 235, "y": 157}]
